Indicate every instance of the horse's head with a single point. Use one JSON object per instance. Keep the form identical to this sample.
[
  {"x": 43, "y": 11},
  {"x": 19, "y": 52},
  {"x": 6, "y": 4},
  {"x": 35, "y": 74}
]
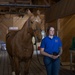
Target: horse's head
[{"x": 36, "y": 24}]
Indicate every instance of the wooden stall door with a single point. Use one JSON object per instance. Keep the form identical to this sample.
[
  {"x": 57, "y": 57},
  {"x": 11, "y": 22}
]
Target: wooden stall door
[{"x": 66, "y": 31}]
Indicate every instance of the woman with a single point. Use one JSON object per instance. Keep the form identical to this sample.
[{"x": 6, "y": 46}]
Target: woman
[{"x": 51, "y": 48}]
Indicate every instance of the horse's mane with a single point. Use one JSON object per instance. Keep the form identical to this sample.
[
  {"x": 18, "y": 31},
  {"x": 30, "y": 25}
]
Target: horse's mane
[{"x": 26, "y": 22}]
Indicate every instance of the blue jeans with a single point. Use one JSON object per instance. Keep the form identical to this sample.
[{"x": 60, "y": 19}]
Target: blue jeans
[{"x": 52, "y": 65}]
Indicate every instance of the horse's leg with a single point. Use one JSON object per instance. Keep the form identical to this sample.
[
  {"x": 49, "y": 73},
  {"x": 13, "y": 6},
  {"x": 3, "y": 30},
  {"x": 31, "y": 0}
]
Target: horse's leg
[
  {"x": 12, "y": 65},
  {"x": 26, "y": 67},
  {"x": 17, "y": 65}
]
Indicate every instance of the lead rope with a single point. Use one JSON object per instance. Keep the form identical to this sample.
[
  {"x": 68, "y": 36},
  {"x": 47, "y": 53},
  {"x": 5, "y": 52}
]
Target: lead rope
[{"x": 38, "y": 54}]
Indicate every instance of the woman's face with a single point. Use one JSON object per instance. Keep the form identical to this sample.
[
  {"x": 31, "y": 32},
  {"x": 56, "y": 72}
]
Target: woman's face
[{"x": 51, "y": 31}]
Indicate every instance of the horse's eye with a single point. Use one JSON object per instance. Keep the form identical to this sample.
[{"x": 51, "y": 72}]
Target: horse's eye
[{"x": 31, "y": 22}]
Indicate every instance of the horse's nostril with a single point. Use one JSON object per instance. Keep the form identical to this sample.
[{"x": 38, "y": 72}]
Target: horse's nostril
[{"x": 38, "y": 39}]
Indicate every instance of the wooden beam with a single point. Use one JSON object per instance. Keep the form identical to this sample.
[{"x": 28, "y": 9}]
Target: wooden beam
[
  {"x": 20, "y": 13},
  {"x": 23, "y": 1},
  {"x": 46, "y": 2},
  {"x": 26, "y": 6}
]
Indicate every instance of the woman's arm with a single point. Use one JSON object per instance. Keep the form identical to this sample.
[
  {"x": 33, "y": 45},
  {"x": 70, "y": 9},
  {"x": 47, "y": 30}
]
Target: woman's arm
[
  {"x": 60, "y": 51},
  {"x": 44, "y": 53},
  {"x": 49, "y": 55}
]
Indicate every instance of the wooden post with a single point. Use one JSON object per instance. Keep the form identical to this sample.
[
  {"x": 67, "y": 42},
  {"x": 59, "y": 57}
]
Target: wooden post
[
  {"x": 15, "y": 1},
  {"x": 58, "y": 27}
]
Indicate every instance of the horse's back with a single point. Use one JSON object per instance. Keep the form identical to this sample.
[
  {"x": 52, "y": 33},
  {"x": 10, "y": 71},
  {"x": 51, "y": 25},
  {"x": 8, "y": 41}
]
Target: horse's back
[{"x": 11, "y": 34}]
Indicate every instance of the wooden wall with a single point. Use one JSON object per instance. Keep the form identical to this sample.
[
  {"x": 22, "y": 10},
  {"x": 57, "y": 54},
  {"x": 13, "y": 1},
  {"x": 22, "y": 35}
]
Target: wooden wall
[
  {"x": 66, "y": 27},
  {"x": 6, "y": 0},
  {"x": 7, "y": 21}
]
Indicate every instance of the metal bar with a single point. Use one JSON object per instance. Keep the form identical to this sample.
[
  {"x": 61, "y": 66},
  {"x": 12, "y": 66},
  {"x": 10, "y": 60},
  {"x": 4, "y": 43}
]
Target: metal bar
[{"x": 23, "y": 5}]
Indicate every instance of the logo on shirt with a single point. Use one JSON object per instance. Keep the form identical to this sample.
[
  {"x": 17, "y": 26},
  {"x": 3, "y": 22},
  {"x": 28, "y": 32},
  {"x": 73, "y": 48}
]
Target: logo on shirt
[{"x": 56, "y": 40}]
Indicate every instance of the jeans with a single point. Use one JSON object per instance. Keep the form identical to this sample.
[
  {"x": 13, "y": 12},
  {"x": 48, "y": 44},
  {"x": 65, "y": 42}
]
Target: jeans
[{"x": 52, "y": 65}]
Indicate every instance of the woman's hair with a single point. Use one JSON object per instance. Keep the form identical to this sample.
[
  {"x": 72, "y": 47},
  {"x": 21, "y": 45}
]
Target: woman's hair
[{"x": 48, "y": 28}]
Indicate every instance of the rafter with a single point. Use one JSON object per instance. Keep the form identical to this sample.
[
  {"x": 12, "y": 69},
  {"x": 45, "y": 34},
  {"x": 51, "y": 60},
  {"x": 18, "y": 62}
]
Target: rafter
[
  {"x": 23, "y": 1},
  {"x": 46, "y": 2},
  {"x": 17, "y": 8},
  {"x": 26, "y": 6}
]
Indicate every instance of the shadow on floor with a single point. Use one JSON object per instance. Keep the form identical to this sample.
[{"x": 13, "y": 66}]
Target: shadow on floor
[{"x": 66, "y": 72}]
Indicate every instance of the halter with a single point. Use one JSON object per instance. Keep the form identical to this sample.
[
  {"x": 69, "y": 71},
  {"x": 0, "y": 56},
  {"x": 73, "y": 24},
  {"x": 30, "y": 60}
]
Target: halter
[{"x": 29, "y": 23}]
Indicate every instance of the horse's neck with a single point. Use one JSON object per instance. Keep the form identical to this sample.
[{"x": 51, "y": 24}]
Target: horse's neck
[
  {"x": 25, "y": 26},
  {"x": 26, "y": 32},
  {"x": 24, "y": 29}
]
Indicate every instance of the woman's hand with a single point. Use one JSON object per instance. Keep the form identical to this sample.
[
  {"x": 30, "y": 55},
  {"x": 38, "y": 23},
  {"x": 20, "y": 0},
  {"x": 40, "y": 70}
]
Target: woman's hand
[{"x": 55, "y": 56}]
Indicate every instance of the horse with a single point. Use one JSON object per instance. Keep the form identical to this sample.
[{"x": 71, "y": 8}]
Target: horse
[{"x": 19, "y": 43}]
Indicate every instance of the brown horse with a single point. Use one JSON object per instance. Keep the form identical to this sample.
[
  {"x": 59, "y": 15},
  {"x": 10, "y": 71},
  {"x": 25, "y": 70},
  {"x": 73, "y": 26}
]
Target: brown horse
[{"x": 19, "y": 43}]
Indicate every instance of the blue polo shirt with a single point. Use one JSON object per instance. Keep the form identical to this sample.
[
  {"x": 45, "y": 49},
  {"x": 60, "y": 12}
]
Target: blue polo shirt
[{"x": 51, "y": 45}]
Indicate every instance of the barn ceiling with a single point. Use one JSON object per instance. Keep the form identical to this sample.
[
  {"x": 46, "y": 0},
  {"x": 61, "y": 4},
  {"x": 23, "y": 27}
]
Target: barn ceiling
[
  {"x": 56, "y": 0},
  {"x": 9, "y": 9},
  {"x": 61, "y": 9},
  {"x": 20, "y": 6}
]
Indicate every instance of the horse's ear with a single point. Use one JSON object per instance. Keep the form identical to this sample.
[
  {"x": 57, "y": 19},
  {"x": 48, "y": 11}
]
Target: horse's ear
[
  {"x": 29, "y": 12},
  {"x": 38, "y": 12}
]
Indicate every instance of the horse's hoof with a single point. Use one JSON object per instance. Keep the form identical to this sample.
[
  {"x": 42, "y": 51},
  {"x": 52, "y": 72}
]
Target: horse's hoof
[
  {"x": 13, "y": 73},
  {"x": 20, "y": 74}
]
